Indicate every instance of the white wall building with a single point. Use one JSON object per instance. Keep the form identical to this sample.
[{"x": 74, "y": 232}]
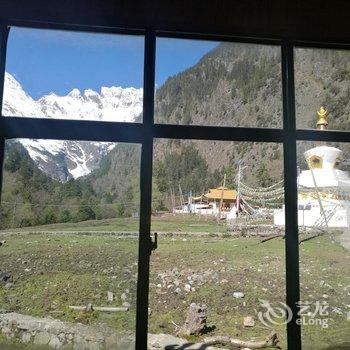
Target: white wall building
[{"x": 323, "y": 189}]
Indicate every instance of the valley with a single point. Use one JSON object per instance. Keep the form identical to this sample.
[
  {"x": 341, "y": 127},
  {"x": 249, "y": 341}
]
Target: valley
[{"x": 69, "y": 214}]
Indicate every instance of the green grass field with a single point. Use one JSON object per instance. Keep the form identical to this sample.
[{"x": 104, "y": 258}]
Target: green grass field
[
  {"x": 52, "y": 270},
  {"x": 162, "y": 223}
]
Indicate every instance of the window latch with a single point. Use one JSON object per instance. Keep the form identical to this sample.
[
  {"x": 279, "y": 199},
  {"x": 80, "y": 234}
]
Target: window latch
[{"x": 154, "y": 242}]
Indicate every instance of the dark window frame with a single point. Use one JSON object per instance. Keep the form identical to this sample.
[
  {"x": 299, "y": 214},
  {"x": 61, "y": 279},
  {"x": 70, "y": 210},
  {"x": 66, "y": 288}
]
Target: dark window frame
[{"x": 145, "y": 133}]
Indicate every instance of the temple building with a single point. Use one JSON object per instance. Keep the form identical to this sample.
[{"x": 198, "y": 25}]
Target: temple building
[
  {"x": 217, "y": 201},
  {"x": 323, "y": 189}
]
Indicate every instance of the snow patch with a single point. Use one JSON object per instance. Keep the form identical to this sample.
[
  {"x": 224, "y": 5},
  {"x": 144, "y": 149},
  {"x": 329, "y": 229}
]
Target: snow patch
[{"x": 79, "y": 158}]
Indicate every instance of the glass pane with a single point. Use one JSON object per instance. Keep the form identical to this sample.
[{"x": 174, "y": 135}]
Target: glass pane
[
  {"x": 69, "y": 246},
  {"x": 72, "y": 75},
  {"x": 219, "y": 84},
  {"x": 324, "y": 236},
  {"x": 209, "y": 253},
  {"x": 322, "y": 79}
]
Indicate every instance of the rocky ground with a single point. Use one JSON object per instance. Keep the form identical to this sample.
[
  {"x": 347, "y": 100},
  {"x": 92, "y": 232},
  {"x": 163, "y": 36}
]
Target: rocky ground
[
  {"x": 36, "y": 332},
  {"x": 57, "y": 334},
  {"x": 42, "y": 274}
]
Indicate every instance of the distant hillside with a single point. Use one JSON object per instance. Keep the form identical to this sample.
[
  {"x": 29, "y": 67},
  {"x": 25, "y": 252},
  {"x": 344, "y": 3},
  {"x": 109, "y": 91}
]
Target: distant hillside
[
  {"x": 232, "y": 85},
  {"x": 118, "y": 176},
  {"x": 236, "y": 85},
  {"x": 30, "y": 197},
  {"x": 240, "y": 85},
  {"x": 322, "y": 79},
  {"x": 26, "y": 191}
]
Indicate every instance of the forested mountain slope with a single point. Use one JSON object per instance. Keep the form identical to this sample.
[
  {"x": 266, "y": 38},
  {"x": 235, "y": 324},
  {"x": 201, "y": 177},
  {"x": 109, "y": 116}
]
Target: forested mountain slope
[
  {"x": 240, "y": 85},
  {"x": 230, "y": 86}
]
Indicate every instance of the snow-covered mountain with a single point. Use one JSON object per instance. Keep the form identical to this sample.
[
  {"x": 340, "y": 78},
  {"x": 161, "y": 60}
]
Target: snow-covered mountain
[{"x": 65, "y": 159}]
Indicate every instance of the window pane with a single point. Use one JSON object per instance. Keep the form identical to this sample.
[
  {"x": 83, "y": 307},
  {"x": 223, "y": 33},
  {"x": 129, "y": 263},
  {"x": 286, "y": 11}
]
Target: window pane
[
  {"x": 220, "y": 84},
  {"x": 72, "y": 75},
  {"x": 69, "y": 238},
  {"x": 206, "y": 254},
  {"x": 322, "y": 79},
  {"x": 324, "y": 236}
]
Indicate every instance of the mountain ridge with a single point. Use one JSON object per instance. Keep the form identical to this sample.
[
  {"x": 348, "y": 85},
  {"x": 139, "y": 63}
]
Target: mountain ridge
[
  {"x": 63, "y": 160},
  {"x": 219, "y": 90},
  {"x": 240, "y": 85}
]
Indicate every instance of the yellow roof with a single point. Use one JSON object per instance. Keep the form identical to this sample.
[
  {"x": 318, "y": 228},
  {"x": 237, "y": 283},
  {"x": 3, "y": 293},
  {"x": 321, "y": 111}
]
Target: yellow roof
[
  {"x": 216, "y": 193},
  {"x": 199, "y": 198}
]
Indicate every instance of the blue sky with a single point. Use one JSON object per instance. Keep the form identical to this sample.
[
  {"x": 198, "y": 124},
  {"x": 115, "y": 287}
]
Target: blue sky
[{"x": 46, "y": 61}]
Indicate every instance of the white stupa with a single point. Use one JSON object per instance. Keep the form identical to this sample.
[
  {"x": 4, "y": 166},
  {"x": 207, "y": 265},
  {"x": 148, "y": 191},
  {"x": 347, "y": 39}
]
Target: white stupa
[{"x": 323, "y": 189}]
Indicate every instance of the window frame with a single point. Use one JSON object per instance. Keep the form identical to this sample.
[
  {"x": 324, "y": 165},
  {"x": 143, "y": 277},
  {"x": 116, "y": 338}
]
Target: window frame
[{"x": 144, "y": 133}]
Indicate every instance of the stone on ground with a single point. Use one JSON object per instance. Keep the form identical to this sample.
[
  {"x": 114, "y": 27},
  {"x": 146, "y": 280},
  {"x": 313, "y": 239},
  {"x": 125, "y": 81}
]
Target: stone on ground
[
  {"x": 196, "y": 321},
  {"x": 238, "y": 295},
  {"x": 248, "y": 321},
  {"x": 110, "y": 296}
]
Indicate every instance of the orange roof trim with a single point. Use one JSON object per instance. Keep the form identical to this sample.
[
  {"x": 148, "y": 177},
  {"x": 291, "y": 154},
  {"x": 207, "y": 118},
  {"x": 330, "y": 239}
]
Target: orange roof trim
[{"x": 216, "y": 193}]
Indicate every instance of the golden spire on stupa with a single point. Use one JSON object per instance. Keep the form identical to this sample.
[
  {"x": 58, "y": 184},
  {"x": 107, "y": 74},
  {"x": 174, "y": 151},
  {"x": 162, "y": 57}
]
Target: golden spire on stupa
[{"x": 322, "y": 119}]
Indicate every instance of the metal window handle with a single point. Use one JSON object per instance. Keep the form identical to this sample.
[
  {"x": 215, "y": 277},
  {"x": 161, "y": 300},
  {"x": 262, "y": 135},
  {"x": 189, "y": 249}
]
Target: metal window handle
[{"x": 154, "y": 243}]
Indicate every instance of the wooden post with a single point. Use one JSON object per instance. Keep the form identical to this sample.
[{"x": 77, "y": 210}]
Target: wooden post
[
  {"x": 172, "y": 201},
  {"x": 222, "y": 197},
  {"x": 238, "y": 199},
  {"x": 181, "y": 195},
  {"x": 14, "y": 213},
  {"x": 190, "y": 202},
  {"x": 182, "y": 201}
]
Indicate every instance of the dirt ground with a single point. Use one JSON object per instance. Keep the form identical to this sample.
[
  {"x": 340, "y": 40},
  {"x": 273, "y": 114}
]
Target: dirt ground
[{"x": 47, "y": 272}]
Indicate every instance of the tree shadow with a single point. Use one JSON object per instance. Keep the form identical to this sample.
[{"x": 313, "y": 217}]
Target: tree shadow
[
  {"x": 186, "y": 346},
  {"x": 206, "y": 330},
  {"x": 209, "y": 329}
]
